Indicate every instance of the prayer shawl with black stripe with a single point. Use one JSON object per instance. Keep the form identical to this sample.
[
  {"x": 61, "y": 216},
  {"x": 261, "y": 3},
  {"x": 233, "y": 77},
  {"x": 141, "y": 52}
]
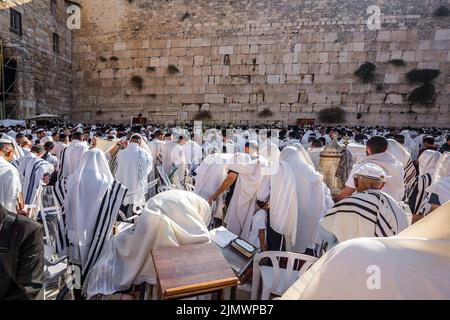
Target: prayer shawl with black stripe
[
  {"x": 417, "y": 192},
  {"x": 70, "y": 158},
  {"x": 372, "y": 213},
  {"x": 32, "y": 170},
  {"x": 90, "y": 200}
]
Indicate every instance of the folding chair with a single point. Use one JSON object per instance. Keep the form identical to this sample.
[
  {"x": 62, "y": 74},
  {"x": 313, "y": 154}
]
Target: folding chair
[
  {"x": 55, "y": 260},
  {"x": 277, "y": 280}
]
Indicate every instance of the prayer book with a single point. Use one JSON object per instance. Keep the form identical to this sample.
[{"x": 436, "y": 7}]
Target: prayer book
[
  {"x": 222, "y": 237},
  {"x": 244, "y": 247}
]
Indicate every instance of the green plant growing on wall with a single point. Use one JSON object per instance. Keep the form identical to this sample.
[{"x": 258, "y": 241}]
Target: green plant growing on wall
[
  {"x": 114, "y": 58},
  {"x": 185, "y": 16},
  {"x": 151, "y": 69},
  {"x": 332, "y": 115},
  {"x": 366, "y": 72},
  {"x": 171, "y": 69},
  {"x": 102, "y": 59},
  {"x": 442, "y": 11},
  {"x": 137, "y": 81},
  {"x": 423, "y": 94},
  {"x": 422, "y": 75},
  {"x": 398, "y": 62},
  {"x": 426, "y": 92},
  {"x": 203, "y": 115},
  {"x": 266, "y": 113}
]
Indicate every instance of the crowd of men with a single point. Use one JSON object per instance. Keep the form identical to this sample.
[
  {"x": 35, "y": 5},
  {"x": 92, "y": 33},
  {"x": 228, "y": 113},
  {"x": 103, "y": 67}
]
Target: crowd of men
[{"x": 262, "y": 183}]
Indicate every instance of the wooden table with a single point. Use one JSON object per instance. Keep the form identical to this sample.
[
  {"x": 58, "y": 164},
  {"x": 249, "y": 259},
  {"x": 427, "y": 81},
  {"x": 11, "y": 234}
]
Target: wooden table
[{"x": 192, "y": 270}]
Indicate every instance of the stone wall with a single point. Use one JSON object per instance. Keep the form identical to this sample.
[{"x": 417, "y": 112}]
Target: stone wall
[
  {"x": 44, "y": 78},
  {"x": 237, "y": 58}
]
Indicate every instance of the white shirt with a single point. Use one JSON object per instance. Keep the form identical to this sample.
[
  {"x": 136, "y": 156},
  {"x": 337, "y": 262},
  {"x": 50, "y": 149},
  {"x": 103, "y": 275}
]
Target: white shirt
[
  {"x": 10, "y": 185},
  {"x": 259, "y": 222}
]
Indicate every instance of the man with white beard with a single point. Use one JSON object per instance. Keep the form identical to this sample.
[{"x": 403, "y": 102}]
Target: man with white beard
[
  {"x": 134, "y": 164},
  {"x": 70, "y": 157}
]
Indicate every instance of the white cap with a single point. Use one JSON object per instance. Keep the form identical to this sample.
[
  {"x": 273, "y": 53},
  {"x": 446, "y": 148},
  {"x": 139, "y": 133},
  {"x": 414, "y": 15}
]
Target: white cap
[
  {"x": 372, "y": 171},
  {"x": 79, "y": 130}
]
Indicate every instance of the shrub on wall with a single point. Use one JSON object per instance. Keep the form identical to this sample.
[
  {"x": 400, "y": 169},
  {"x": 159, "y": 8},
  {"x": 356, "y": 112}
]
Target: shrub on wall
[
  {"x": 203, "y": 115},
  {"x": 266, "y": 113},
  {"x": 398, "y": 62},
  {"x": 138, "y": 82},
  {"x": 442, "y": 11},
  {"x": 422, "y": 75},
  {"x": 172, "y": 69},
  {"x": 423, "y": 94},
  {"x": 332, "y": 115},
  {"x": 365, "y": 72}
]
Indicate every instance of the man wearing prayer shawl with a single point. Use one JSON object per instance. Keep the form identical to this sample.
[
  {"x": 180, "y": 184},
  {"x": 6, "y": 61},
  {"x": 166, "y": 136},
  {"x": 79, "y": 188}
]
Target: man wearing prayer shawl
[
  {"x": 210, "y": 175},
  {"x": 376, "y": 150},
  {"x": 33, "y": 169},
  {"x": 404, "y": 156},
  {"x": 10, "y": 185},
  {"x": 70, "y": 157},
  {"x": 193, "y": 153},
  {"x": 412, "y": 265},
  {"x": 90, "y": 200},
  {"x": 438, "y": 192},
  {"x": 173, "y": 157},
  {"x": 134, "y": 165},
  {"x": 369, "y": 212},
  {"x": 312, "y": 198},
  {"x": 172, "y": 218},
  {"x": 427, "y": 166}
]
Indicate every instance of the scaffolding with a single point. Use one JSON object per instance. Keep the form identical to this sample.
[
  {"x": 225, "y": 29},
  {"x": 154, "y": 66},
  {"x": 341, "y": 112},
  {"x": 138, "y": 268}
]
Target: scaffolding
[{"x": 9, "y": 53}]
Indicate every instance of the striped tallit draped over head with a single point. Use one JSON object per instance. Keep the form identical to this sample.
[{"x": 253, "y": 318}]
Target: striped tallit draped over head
[
  {"x": 372, "y": 213},
  {"x": 404, "y": 156},
  {"x": 32, "y": 170},
  {"x": 90, "y": 200},
  {"x": 427, "y": 165}
]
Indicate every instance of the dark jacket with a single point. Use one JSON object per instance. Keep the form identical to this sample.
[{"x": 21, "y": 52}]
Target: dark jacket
[{"x": 21, "y": 257}]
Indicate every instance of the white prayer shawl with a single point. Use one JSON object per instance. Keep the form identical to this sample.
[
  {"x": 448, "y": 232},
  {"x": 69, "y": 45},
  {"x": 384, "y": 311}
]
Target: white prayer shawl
[
  {"x": 243, "y": 202},
  {"x": 392, "y": 167},
  {"x": 414, "y": 265},
  {"x": 428, "y": 161},
  {"x": 270, "y": 151},
  {"x": 90, "y": 200},
  {"x": 440, "y": 185},
  {"x": 156, "y": 147},
  {"x": 283, "y": 203},
  {"x": 10, "y": 185},
  {"x": 32, "y": 170},
  {"x": 134, "y": 164},
  {"x": 371, "y": 213},
  {"x": 314, "y": 154},
  {"x": 170, "y": 219},
  {"x": 58, "y": 148},
  {"x": 357, "y": 150},
  {"x": 210, "y": 175},
  {"x": 193, "y": 153},
  {"x": 70, "y": 158},
  {"x": 305, "y": 138},
  {"x": 313, "y": 199},
  {"x": 18, "y": 152},
  {"x": 173, "y": 155},
  {"x": 403, "y": 155},
  {"x": 304, "y": 154},
  {"x": 411, "y": 144}
]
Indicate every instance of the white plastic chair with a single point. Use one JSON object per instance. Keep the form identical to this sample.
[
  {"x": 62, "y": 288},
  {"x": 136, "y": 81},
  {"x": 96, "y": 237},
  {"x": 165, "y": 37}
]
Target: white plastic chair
[
  {"x": 276, "y": 280},
  {"x": 55, "y": 263}
]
